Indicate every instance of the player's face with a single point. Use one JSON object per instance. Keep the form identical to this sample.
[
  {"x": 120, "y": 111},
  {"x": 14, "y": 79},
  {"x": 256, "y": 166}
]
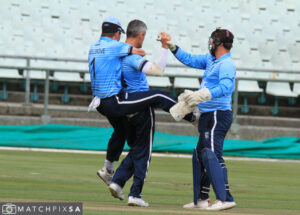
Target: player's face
[
  {"x": 211, "y": 46},
  {"x": 118, "y": 36}
]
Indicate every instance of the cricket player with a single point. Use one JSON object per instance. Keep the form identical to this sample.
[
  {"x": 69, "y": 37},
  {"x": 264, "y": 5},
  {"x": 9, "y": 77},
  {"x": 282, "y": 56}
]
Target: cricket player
[
  {"x": 109, "y": 98},
  {"x": 140, "y": 127},
  {"x": 214, "y": 102}
]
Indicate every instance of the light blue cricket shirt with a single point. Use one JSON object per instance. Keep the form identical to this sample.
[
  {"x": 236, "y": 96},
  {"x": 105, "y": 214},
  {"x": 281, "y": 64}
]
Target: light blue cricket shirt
[
  {"x": 219, "y": 78},
  {"x": 105, "y": 66}
]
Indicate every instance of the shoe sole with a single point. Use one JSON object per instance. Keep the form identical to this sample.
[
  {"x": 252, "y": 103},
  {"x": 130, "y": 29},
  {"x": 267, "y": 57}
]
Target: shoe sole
[
  {"x": 134, "y": 204},
  {"x": 198, "y": 208},
  {"x": 231, "y": 206},
  {"x": 114, "y": 193},
  {"x": 103, "y": 179},
  {"x": 223, "y": 208}
]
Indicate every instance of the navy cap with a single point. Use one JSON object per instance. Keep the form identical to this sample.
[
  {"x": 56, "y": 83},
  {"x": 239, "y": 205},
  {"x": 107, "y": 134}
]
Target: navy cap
[{"x": 111, "y": 25}]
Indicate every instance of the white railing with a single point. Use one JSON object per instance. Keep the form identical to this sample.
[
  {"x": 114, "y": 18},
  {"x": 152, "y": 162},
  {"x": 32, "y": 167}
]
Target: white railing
[{"x": 269, "y": 75}]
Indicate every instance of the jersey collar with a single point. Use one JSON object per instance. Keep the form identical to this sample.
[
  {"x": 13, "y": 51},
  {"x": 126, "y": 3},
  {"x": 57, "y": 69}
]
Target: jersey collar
[
  {"x": 106, "y": 38},
  {"x": 223, "y": 57}
]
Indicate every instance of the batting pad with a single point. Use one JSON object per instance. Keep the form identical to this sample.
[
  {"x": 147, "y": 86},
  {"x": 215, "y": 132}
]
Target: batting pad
[
  {"x": 215, "y": 173},
  {"x": 196, "y": 176}
]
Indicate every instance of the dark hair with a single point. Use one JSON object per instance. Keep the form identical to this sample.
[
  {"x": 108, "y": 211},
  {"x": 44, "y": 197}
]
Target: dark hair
[
  {"x": 135, "y": 27},
  {"x": 110, "y": 35},
  {"x": 223, "y": 36}
]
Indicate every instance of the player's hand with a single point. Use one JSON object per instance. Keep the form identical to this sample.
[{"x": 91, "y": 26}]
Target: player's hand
[
  {"x": 164, "y": 38},
  {"x": 197, "y": 97},
  {"x": 183, "y": 96},
  {"x": 138, "y": 51}
]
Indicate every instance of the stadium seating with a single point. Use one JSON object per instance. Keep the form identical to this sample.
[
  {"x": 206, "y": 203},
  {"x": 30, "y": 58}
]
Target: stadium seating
[
  {"x": 279, "y": 90},
  {"x": 296, "y": 88},
  {"x": 159, "y": 82},
  {"x": 186, "y": 83},
  {"x": 67, "y": 78},
  {"x": 248, "y": 88},
  {"x": 68, "y": 25},
  {"x": 266, "y": 34}
]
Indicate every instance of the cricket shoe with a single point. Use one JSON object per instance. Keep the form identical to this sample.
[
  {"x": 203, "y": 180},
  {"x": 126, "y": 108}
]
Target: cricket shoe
[
  {"x": 116, "y": 191},
  {"x": 134, "y": 201},
  {"x": 219, "y": 205},
  {"x": 105, "y": 175},
  {"x": 201, "y": 204}
]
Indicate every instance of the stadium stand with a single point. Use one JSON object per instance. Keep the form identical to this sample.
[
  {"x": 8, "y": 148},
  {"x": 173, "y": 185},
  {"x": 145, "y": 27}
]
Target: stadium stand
[
  {"x": 267, "y": 37},
  {"x": 248, "y": 88}
]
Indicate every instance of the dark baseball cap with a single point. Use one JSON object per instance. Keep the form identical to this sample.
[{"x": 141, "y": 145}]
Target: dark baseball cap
[{"x": 111, "y": 25}]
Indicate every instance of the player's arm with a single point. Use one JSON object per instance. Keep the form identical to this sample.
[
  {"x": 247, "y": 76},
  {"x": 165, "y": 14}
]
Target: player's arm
[
  {"x": 141, "y": 64},
  {"x": 124, "y": 49},
  {"x": 226, "y": 80},
  {"x": 191, "y": 60},
  {"x": 138, "y": 51},
  {"x": 157, "y": 68}
]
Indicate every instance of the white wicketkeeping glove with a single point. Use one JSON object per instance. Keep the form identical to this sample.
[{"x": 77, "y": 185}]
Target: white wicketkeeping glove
[
  {"x": 179, "y": 110},
  {"x": 182, "y": 97},
  {"x": 197, "y": 97},
  {"x": 197, "y": 114}
]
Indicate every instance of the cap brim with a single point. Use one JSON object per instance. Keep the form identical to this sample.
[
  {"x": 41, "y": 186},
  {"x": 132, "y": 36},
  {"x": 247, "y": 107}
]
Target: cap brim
[{"x": 122, "y": 30}]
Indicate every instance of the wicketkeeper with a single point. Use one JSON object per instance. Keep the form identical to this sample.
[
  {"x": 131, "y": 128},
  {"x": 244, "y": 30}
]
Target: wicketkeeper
[{"x": 214, "y": 102}]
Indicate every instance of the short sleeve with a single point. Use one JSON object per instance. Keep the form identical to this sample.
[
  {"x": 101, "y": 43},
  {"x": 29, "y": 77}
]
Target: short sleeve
[
  {"x": 137, "y": 62},
  {"x": 123, "y": 49}
]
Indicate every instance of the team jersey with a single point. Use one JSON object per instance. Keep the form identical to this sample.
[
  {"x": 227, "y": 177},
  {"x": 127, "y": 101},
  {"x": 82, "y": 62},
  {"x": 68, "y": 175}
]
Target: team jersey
[
  {"x": 134, "y": 79},
  {"x": 219, "y": 78},
  {"x": 105, "y": 66}
]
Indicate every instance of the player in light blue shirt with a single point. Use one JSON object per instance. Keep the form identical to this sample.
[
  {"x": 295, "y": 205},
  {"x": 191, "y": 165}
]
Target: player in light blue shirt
[
  {"x": 114, "y": 103},
  {"x": 105, "y": 59},
  {"x": 218, "y": 78},
  {"x": 133, "y": 77},
  {"x": 140, "y": 126},
  {"x": 214, "y": 102}
]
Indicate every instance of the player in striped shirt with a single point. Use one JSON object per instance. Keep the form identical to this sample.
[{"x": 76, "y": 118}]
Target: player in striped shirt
[
  {"x": 214, "y": 102},
  {"x": 140, "y": 126},
  {"x": 113, "y": 102}
]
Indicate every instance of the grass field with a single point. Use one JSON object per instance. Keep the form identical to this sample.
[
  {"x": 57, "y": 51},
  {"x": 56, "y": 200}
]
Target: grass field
[{"x": 258, "y": 187}]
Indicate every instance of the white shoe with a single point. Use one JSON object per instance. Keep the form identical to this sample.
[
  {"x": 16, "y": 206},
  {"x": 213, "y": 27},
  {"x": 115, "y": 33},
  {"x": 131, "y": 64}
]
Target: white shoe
[
  {"x": 219, "y": 205},
  {"x": 105, "y": 175},
  {"x": 116, "y": 191},
  {"x": 134, "y": 201},
  {"x": 201, "y": 204}
]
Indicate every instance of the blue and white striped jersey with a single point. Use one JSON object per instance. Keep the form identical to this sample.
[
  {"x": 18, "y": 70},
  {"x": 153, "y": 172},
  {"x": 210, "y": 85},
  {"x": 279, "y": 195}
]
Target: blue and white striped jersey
[
  {"x": 105, "y": 66},
  {"x": 134, "y": 78},
  {"x": 219, "y": 78}
]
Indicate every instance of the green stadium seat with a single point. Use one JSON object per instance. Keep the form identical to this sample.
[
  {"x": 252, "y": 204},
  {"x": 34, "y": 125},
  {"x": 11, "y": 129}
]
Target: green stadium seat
[
  {"x": 248, "y": 88},
  {"x": 279, "y": 90},
  {"x": 66, "y": 78},
  {"x": 159, "y": 82}
]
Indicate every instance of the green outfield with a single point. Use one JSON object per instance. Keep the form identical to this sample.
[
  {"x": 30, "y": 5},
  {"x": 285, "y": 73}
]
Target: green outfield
[{"x": 258, "y": 187}]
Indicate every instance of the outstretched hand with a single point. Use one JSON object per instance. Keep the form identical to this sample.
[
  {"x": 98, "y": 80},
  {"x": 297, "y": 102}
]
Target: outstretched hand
[{"x": 165, "y": 39}]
